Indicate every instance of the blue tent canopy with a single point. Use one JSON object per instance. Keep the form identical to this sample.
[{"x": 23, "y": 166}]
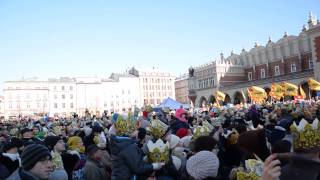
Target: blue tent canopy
[{"x": 170, "y": 103}]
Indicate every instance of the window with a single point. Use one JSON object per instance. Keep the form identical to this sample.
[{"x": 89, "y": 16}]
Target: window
[
  {"x": 71, "y": 105},
  {"x": 262, "y": 73},
  {"x": 71, "y": 88},
  {"x": 63, "y": 96},
  {"x": 63, "y": 105},
  {"x": 62, "y": 88},
  {"x": 293, "y": 67},
  {"x": 71, "y": 96},
  {"x": 276, "y": 71},
  {"x": 55, "y": 105},
  {"x": 310, "y": 64},
  {"x": 249, "y": 76}
]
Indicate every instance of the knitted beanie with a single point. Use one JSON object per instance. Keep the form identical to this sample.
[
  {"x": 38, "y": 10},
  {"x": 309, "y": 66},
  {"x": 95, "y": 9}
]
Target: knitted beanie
[
  {"x": 32, "y": 154},
  {"x": 51, "y": 141},
  {"x": 182, "y": 132},
  {"x": 202, "y": 165}
]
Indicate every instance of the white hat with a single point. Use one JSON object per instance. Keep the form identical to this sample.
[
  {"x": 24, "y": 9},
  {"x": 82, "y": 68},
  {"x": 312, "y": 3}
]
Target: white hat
[{"x": 202, "y": 165}]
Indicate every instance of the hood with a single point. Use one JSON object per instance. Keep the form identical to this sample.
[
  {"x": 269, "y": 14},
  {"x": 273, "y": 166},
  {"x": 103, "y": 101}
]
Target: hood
[{"x": 118, "y": 143}]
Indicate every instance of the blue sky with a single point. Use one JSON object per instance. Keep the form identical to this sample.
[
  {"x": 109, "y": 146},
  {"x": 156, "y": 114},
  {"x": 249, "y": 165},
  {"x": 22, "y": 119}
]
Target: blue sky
[{"x": 48, "y": 38}]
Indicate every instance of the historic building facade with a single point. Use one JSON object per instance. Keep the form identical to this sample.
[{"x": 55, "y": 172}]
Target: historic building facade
[
  {"x": 181, "y": 89},
  {"x": 291, "y": 58}
]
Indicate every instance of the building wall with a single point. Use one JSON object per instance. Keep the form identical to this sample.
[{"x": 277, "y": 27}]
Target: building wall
[
  {"x": 26, "y": 98},
  {"x": 62, "y": 97},
  {"x": 181, "y": 89},
  {"x": 155, "y": 86}
]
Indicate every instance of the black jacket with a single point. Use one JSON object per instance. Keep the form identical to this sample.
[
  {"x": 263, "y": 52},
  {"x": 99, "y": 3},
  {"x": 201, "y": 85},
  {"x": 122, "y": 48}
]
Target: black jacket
[
  {"x": 7, "y": 166},
  {"x": 127, "y": 159}
]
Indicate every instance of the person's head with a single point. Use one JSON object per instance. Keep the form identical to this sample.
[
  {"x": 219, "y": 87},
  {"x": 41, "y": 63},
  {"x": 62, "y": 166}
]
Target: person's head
[
  {"x": 75, "y": 143},
  {"x": 12, "y": 145},
  {"x": 55, "y": 143},
  {"x": 97, "y": 129},
  {"x": 26, "y": 133},
  {"x": 204, "y": 143},
  {"x": 94, "y": 153},
  {"x": 202, "y": 165},
  {"x": 36, "y": 159}
]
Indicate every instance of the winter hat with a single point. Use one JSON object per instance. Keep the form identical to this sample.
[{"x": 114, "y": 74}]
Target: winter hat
[
  {"x": 176, "y": 162},
  {"x": 32, "y": 154},
  {"x": 12, "y": 143},
  {"x": 51, "y": 141},
  {"x": 182, "y": 132},
  {"x": 202, "y": 165}
]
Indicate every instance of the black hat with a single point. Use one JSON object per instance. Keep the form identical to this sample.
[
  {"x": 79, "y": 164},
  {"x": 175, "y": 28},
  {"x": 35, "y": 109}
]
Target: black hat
[
  {"x": 51, "y": 141},
  {"x": 24, "y": 130},
  {"x": 32, "y": 154},
  {"x": 12, "y": 143}
]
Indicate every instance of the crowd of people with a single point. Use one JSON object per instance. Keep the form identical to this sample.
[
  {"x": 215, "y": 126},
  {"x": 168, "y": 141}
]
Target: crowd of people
[{"x": 269, "y": 141}]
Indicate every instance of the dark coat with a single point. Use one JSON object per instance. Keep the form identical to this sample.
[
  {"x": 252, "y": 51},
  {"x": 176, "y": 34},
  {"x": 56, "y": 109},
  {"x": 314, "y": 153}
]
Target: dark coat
[
  {"x": 95, "y": 170},
  {"x": 301, "y": 168},
  {"x": 7, "y": 166},
  {"x": 20, "y": 174},
  {"x": 127, "y": 159}
]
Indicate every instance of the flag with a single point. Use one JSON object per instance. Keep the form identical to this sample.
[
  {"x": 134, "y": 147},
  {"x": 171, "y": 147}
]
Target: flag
[
  {"x": 257, "y": 94},
  {"x": 290, "y": 89},
  {"x": 276, "y": 91},
  {"x": 302, "y": 93},
  {"x": 313, "y": 84},
  {"x": 220, "y": 96}
]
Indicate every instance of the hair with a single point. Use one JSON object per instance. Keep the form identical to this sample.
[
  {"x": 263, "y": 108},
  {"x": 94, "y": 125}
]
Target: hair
[{"x": 204, "y": 143}]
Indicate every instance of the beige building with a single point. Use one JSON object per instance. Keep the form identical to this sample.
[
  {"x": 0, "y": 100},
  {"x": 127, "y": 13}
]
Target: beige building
[
  {"x": 155, "y": 85},
  {"x": 181, "y": 89},
  {"x": 291, "y": 58}
]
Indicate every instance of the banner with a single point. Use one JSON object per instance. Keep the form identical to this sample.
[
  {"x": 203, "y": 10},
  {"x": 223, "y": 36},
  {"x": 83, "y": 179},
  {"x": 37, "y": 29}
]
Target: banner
[
  {"x": 276, "y": 91},
  {"x": 313, "y": 84},
  {"x": 290, "y": 89},
  {"x": 220, "y": 96},
  {"x": 257, "y": 94},
  {"x": 302, "y": 93}
]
